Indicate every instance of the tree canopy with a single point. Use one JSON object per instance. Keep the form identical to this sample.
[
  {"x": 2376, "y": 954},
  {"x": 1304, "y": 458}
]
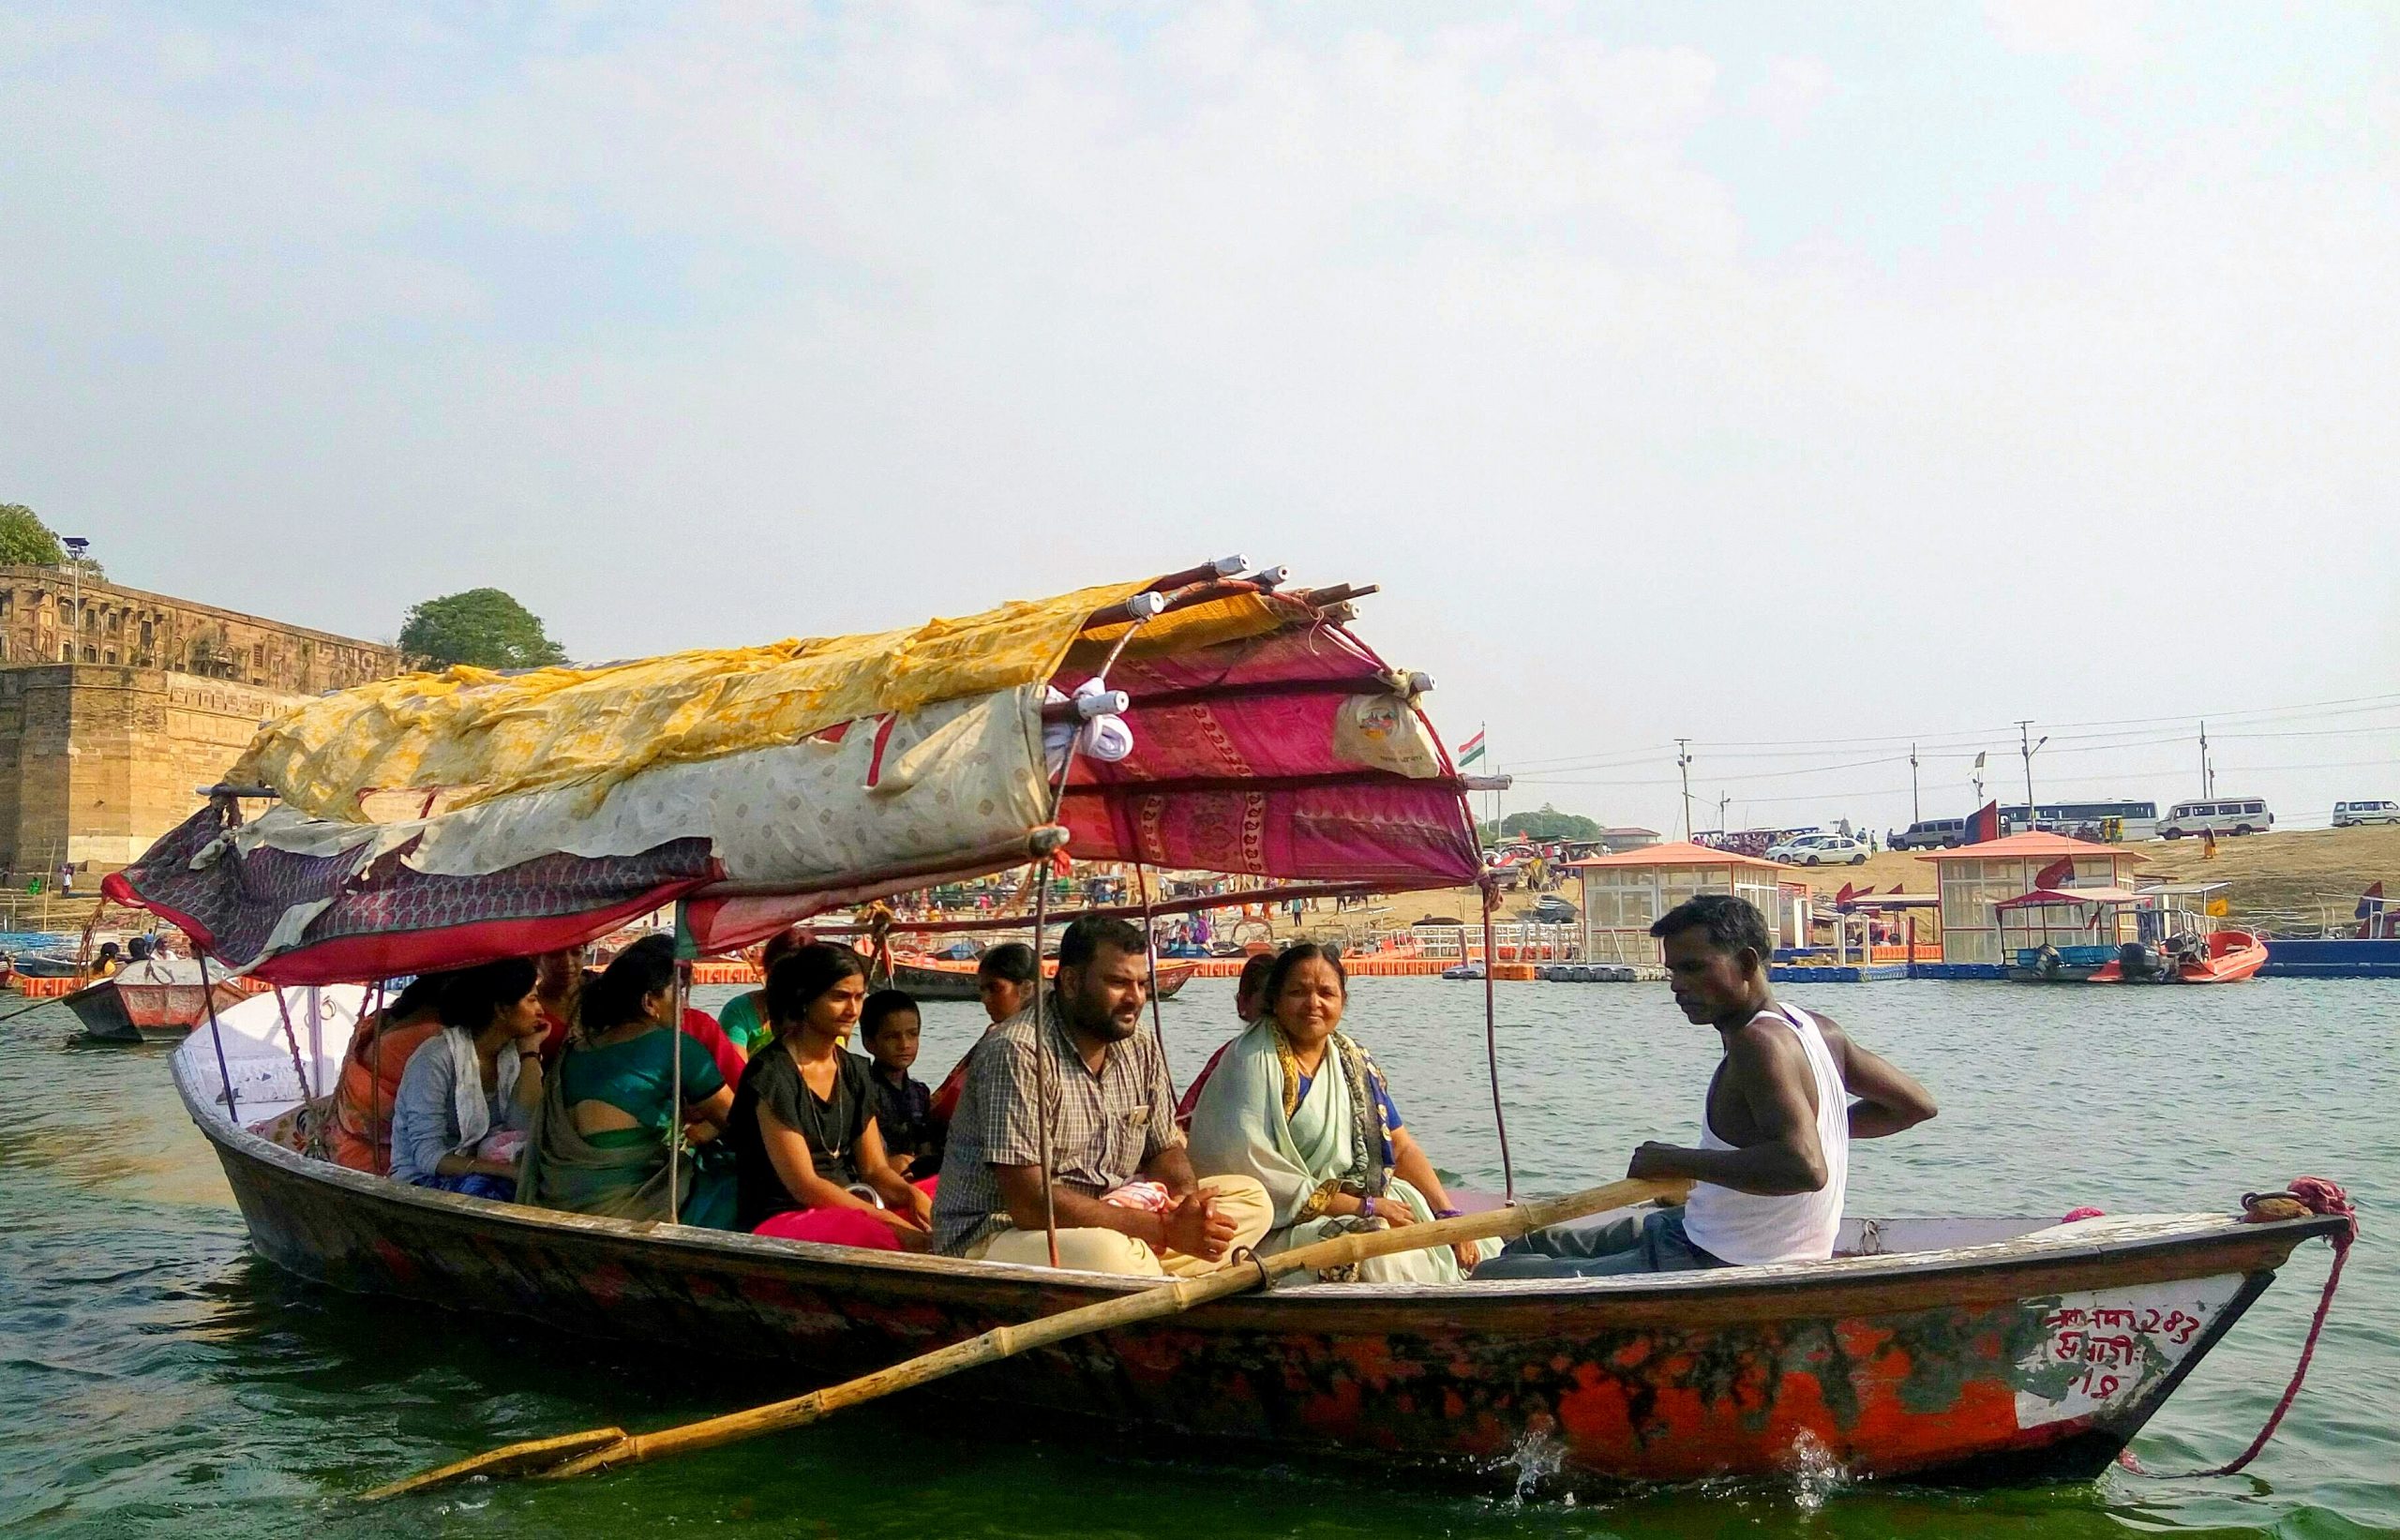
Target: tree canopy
[
  {"x": 1547, "y": 823},
  {"x": 26, "y": 541},
  {"x": 482, "y": 627}
]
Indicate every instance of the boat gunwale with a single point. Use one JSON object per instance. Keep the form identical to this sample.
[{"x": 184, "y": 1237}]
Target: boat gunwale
[{"x": 2017, "y": 1274}]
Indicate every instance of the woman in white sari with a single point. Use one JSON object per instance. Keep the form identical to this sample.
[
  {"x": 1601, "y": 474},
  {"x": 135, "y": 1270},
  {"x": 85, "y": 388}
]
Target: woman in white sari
[{"x": 1298, "y": 1105}]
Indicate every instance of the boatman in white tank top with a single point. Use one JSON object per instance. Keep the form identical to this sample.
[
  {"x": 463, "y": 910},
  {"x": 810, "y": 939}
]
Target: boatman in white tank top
[{"x": 1773, "y": 1162}]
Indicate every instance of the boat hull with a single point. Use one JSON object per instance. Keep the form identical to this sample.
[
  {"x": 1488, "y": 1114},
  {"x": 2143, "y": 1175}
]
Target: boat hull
[
  {"x": 934, "y": 981},
  {"x": 112, "y": 1010},
  {"x": 1982, "y": 1367}
]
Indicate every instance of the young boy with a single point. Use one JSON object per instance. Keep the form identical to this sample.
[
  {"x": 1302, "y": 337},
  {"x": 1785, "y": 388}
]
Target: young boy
[{"x": 890, "y": 1025}]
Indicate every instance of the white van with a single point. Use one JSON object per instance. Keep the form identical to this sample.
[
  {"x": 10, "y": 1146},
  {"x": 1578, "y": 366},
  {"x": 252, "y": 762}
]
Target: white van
[
  {"x": 2347, "y": 813},
  {"x": 2225, "y": 816}
]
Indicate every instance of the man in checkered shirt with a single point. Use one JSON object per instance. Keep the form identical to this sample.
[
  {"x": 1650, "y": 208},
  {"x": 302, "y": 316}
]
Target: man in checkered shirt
[{"x": 1122, "y": 1185}]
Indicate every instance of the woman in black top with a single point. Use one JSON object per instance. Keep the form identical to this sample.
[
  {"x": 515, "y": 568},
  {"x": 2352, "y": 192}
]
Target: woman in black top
[{"x": 803, "y": 1131}]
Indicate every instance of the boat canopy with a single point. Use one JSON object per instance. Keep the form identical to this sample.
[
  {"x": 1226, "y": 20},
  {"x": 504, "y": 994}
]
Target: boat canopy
[{"x": 440, "y": 819}]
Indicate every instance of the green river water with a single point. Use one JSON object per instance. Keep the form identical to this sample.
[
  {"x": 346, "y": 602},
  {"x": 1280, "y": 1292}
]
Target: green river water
[{"x": 157, "y": 1379}]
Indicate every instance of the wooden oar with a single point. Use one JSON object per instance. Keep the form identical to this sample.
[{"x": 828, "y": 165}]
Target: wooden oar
[{"x": 573, "y": 1454}]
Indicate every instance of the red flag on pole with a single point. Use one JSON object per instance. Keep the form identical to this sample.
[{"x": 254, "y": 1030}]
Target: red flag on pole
[
  {"x": 2370, "y": 913},
  {"x": 2058, "y": 874},
  {"x": 1841, "y": 900},
  {"x": 1983, "y": 826}
]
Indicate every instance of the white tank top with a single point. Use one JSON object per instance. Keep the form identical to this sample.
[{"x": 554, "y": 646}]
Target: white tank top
[{"x": 1748, "y": 1230}]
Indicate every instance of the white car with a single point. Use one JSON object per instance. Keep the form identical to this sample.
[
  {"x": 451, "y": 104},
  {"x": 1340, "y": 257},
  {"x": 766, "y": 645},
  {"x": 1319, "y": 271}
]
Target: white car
[
  {"x": 2225, "y": 816},
  {"x": 1820, "y": 850},
  {"x": 2347, "y": 813}
]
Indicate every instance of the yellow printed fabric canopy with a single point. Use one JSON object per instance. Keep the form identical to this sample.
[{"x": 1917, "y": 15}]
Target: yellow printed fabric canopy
[{"x": 470, "y": 736}]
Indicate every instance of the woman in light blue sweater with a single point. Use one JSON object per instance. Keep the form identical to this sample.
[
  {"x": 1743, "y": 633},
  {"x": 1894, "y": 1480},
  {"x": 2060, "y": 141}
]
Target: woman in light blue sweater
[{"x": 467, "y": 1089}]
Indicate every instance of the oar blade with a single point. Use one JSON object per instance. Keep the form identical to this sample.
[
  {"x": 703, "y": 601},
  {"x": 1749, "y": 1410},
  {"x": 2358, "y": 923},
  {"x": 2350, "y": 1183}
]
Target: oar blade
[{"x": 507, "y": 1461}]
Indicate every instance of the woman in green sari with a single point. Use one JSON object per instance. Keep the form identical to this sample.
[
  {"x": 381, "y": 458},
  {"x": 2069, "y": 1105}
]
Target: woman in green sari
[
  {"x": 599, "y": 1140},
  {"x": 1298, "y": 1105}
]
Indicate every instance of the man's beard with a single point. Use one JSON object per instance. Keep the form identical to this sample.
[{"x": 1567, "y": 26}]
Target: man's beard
[{"x": 1091, "y": 1017}]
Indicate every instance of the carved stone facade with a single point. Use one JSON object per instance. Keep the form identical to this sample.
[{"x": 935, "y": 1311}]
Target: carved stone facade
[
  {"x": 39, "y": 623},
  {"x": 100, "y": 754}
]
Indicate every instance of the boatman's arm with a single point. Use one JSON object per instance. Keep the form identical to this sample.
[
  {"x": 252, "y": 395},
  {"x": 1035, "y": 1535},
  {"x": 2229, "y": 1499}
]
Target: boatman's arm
[
  {"x": 1767, "y": 1067},
  {"x": 1889, "y": 1098}
]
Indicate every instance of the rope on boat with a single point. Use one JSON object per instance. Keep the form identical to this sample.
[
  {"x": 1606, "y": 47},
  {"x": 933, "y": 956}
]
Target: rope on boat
[
  {"x": 2307, "y": 1195},
  {"x": 308, "y": 1090}
]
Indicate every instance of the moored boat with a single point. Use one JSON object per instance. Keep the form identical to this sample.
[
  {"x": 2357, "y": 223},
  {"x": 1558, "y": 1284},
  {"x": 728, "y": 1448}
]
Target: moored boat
[
  {"x": 2163, "y": 935},
  {"x": 147, "y": 1000}
]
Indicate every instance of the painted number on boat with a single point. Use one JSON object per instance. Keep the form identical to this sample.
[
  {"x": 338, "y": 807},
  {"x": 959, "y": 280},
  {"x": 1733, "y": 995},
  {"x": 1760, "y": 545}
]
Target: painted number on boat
[{"x": 2097, "y": 1348}]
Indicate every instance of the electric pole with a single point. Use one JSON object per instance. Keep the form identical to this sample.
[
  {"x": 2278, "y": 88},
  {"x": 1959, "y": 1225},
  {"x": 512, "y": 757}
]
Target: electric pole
[
  {"x": 1723, "y": 800},
  {"x": 1916, "y": 809},
  {"x": 1683, "y": 766},
  {"x": 2208, "y": 777},
  {"x": 2028, "y": 750}
]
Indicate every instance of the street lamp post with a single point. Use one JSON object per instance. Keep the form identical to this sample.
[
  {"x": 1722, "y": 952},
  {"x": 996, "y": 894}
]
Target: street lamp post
[{"x": 76, "y": 545}]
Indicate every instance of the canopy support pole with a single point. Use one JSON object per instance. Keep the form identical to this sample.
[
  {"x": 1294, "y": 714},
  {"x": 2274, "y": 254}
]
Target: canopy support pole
[
  {"x": 1492, "y": 1042},
  {"x": 1150, "y": 954},
  {"x": 216, "y": 1035},
  {"x": 1042, "y": 923},
  {"x": 675, "y": 1096},
  {"x": 375, "y": 1089},
  {"x": 1041, "y": 1055}
]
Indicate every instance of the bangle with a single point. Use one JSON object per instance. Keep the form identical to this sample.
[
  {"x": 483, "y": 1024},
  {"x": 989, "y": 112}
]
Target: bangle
[{"x": 1446, "y": 1213}]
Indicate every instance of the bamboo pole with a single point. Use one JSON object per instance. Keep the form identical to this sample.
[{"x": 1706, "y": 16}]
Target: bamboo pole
[{"x": 1173, "y": 1298}]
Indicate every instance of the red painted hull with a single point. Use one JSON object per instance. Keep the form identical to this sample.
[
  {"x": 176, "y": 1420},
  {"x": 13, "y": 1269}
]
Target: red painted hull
[
  {"x": 2234, "y": 956},
  {"x": 112, "y": 1010},
  {"x": 2021, "y": 1359}
]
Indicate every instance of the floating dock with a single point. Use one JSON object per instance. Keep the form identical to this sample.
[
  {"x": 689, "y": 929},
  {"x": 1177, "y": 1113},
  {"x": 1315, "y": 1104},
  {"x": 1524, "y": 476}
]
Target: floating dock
[{"x": 2331, "y": 959}]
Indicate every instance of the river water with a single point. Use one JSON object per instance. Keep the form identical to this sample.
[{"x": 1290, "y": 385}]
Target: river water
[{"x": 154, "y": 1378}]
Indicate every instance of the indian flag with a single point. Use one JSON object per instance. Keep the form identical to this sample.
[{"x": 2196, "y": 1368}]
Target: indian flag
[{"x": 1472, "y": 750}]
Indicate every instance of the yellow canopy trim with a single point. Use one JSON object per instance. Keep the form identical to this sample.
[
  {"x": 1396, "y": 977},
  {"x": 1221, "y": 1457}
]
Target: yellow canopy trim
[{"x": 470, "y": 735}]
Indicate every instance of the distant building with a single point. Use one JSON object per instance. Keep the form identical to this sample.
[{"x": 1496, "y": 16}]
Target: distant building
[
  {"x": 1974, "y": 877},
  {"x": 1624, "y": 893},
  {"x": 116, "y": 705}
]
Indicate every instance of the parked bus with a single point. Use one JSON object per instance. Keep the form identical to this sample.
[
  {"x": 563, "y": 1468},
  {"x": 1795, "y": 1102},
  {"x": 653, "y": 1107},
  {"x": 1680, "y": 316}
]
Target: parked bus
[{"x": 2110, "y": 823}]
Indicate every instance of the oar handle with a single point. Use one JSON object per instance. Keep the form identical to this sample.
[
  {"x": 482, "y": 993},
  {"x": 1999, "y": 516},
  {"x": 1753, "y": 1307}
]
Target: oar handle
[
  {"x": 1491, "y": 1224},
  {"x": 1172, "y": 1297},
  {"x": 606, "y": 1446}
]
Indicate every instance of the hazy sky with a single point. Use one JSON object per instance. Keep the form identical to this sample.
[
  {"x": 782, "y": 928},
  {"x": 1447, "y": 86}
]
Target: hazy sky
[{"x": 1770, "y": 375}]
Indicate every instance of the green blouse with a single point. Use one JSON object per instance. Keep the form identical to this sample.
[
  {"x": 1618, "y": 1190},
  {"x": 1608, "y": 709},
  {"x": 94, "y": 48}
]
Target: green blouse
[{"x": 743, "y": 1024}]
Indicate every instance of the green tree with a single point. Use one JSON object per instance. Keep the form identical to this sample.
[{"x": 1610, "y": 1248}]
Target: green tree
[
  {"x": 26, "y": 541},
  {"x": 1548, "y": 824},
  {"x": 484, "y": 627}
]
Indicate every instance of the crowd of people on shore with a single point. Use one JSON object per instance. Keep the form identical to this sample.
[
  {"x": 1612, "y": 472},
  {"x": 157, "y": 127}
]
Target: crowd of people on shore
[{"x": 541, "y": 1081}]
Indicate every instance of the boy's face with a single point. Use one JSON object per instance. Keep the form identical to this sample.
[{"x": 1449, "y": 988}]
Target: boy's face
[{"x": 894, "y": 1041}]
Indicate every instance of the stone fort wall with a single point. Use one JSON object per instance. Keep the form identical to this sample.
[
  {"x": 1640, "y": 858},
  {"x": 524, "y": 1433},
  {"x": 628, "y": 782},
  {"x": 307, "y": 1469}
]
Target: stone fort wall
[{"x": 112, "y": 715}]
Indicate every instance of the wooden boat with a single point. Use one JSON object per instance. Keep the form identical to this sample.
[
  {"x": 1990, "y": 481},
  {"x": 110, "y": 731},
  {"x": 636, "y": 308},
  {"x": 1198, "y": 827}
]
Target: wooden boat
[
  {"x": 930, "y": 979},
  {"x": 148, "y": 1001},
  {"x": 1267, "y": 742},
  {"x": 1969, "y": 1351}
]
